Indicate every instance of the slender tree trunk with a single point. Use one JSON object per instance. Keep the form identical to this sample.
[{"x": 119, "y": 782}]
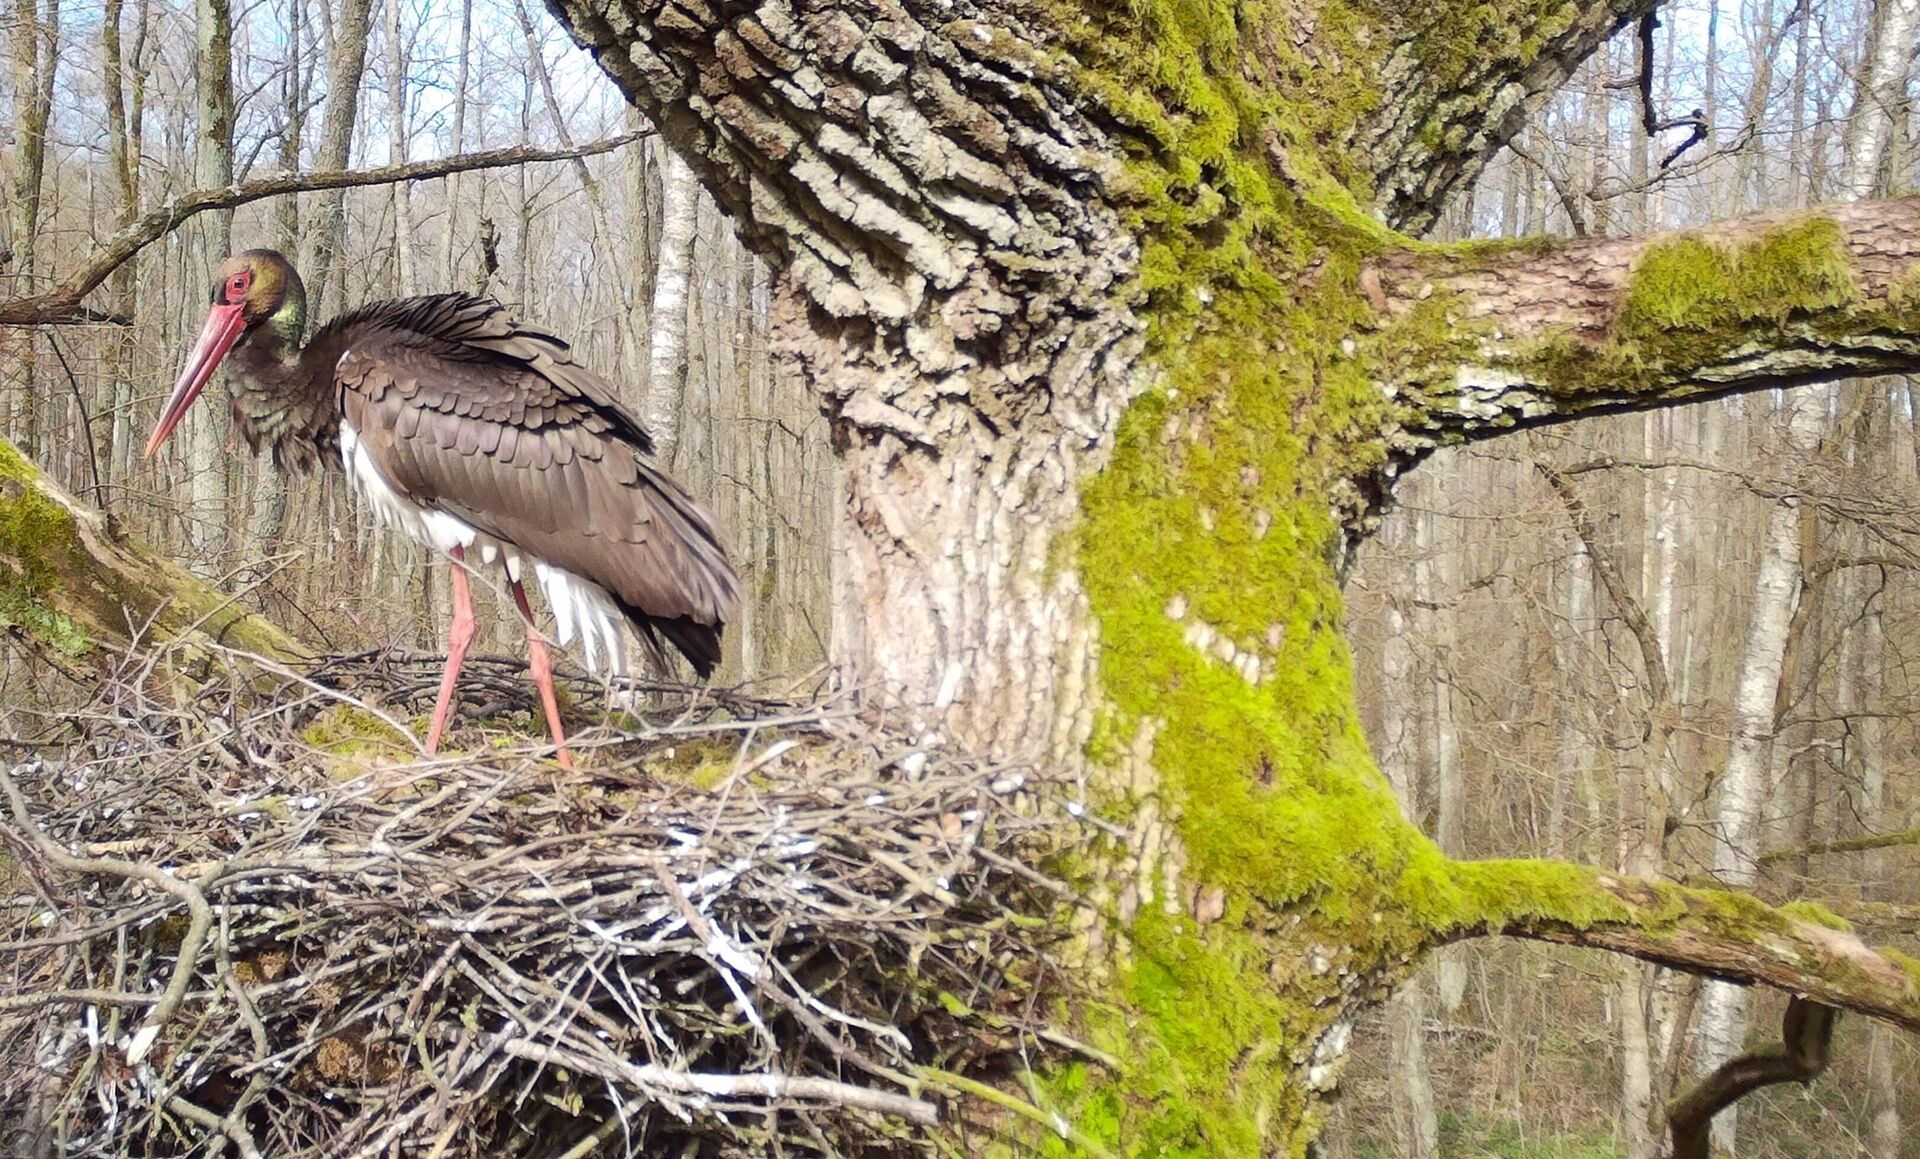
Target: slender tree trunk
[
  {"x": 457, "y": 144},
  {"x": 326, "y": 226},
  {"x": 1435, "y": 579},
  {"x": 36, "y": 62},
  {"x": 122, "y": 158},
  {"x": 1798, "y": 161},
  {"x": 397, "y": 134},
  {"x": 293, "y": 124},
  {"x": 1398, "y": 747},
  {"x": 672, "y": 289},
  {"x": 1743, "y": 783},
  {"x": 1573, "y": 750},
  {"x": 206, "y": 427},
  {"x": 267, "y": 505}
]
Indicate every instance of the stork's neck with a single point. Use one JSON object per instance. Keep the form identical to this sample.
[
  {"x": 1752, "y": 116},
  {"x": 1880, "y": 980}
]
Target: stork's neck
[{"x": 281, "y": 398}]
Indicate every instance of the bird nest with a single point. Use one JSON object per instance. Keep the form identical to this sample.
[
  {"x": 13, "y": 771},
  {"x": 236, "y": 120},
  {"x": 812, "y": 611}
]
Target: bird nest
[{"x": 743, "y": 927}]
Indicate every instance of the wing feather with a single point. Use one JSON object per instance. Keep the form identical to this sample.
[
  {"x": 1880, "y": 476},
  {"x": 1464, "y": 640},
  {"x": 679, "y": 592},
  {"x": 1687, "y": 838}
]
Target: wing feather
[{"x": 492, "y": 421}]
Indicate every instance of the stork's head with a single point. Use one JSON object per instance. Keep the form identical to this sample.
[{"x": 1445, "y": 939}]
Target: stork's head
[{"x": 257, "y": 297}]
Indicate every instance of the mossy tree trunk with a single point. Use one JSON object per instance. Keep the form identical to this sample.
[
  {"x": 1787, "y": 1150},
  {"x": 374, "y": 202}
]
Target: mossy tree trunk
[{"x": 1125, "y": 332}]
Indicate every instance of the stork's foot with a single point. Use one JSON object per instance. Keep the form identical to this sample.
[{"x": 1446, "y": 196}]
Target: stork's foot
[
  {"x": 540, "y": 665},
  {"x": 459, "y": 636}
]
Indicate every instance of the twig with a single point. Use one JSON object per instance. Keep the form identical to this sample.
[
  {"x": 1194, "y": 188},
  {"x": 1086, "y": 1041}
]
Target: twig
[
  {"x": 1801, "y": 1055},
  {"x": 1052, "y": 1121},
  {"x": 765, "y": 1085},
  {"x": 200, "y": 918}
]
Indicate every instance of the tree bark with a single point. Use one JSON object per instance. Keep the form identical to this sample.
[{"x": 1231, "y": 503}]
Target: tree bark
[
  {"x": 1120, "y": 364},
  {"x": 1880, "y": 96},
  {"x": 123, "y": 154},
  {"x": 206, "y": 427},
  {"x": 672, "y": 296},
  {"x": 1722, "y": 1024},
  {"x": 36, "y": 64},
  {"x": 346, "y": 62}
]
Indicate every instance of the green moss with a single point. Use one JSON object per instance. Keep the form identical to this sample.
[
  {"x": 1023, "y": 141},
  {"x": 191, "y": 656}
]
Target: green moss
[
  {"x": 1270, "y": 364},
  {"x": 1906, "y": 962},
  {"x": 701, "y": 762},
  {"x": 1814, "y": 913},
  {"x": 1697, "y": 285},
  {"x": 342, "y": 730},
  {"x": 1693, "y": 300},
  {"x": 36, "y": 538},
  {"x": 1205, "y": 549}
]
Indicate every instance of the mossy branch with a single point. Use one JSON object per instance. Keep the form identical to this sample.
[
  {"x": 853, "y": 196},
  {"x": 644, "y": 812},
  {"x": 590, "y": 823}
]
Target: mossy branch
[
  {"x": 1800, "y": 949},
  {"x": 69, "y": 586},
  {"x": 1545, "y": 332},
  {"x": 1851, "y": 845}
]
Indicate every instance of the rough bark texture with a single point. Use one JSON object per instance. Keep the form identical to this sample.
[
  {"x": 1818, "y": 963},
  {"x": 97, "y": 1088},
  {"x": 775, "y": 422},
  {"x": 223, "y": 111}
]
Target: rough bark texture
[
  {"x": 345, "y": 64},
  {"x": 1121, "y": 362},
  {"x": 950, "y": 270},
  {"x": 1462, "y": 86}
]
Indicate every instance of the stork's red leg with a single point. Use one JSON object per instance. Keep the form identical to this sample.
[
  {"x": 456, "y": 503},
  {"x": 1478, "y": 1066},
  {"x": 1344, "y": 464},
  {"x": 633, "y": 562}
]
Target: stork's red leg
[
  {"x": 541, "y": 666},
  {"x": 459, "y": 635}
]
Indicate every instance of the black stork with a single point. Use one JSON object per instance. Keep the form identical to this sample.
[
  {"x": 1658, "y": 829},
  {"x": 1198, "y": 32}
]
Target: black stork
[{"x": 471, "y": 432}]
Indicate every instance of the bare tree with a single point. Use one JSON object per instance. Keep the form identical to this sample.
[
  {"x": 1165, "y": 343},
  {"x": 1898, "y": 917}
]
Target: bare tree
[{"x": 1743, "y": 782}]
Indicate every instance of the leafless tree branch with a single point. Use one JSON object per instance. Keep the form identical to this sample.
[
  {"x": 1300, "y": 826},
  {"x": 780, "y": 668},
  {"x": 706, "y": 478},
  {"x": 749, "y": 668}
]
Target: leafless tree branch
[
  {"x": 62, "y": 306},
  {"x": 1805, "y": 1047}
]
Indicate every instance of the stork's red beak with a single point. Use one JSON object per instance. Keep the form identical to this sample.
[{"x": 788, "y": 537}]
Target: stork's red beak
[{"x": 223, "y": 328}]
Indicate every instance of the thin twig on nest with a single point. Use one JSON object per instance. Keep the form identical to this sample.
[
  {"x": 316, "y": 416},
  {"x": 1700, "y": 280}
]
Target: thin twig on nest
[{"x": 483, "y": 956}]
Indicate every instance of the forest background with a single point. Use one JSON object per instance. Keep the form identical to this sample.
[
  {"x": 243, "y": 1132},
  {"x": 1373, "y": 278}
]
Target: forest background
[{"x": 1550, "y": 631}]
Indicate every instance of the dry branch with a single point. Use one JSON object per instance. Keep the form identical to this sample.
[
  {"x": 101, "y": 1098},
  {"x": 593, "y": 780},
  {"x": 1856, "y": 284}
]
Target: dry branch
[
  {"x": 62, "y": 305},
  {"x": 1801, "y": 1055},
  {"x": 369, "y": 954}
]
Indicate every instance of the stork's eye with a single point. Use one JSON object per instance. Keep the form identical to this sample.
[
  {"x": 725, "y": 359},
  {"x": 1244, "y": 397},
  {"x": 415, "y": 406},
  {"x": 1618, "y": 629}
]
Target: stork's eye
[{"x": 237, "y": 285}]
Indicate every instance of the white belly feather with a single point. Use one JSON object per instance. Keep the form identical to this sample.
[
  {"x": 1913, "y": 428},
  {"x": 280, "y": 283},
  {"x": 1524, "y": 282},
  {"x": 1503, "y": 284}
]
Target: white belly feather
[{"x": 576, "y": 602}]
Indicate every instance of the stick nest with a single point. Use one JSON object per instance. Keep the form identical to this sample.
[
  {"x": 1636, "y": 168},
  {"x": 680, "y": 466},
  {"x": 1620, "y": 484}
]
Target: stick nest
[{"x": 747, "y": 927}]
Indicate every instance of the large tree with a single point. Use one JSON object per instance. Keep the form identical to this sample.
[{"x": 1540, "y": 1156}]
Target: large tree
[{"x": 1125, "y": 326}]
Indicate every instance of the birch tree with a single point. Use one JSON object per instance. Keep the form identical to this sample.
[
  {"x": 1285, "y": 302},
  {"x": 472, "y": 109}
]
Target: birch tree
[
  {"x": 1742, "y": 785},
  {"x": 672, "y": 279}
]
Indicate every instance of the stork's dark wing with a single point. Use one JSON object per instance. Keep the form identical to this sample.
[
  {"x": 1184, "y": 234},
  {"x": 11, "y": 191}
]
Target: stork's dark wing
[{"x": 466, "y": 410}]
